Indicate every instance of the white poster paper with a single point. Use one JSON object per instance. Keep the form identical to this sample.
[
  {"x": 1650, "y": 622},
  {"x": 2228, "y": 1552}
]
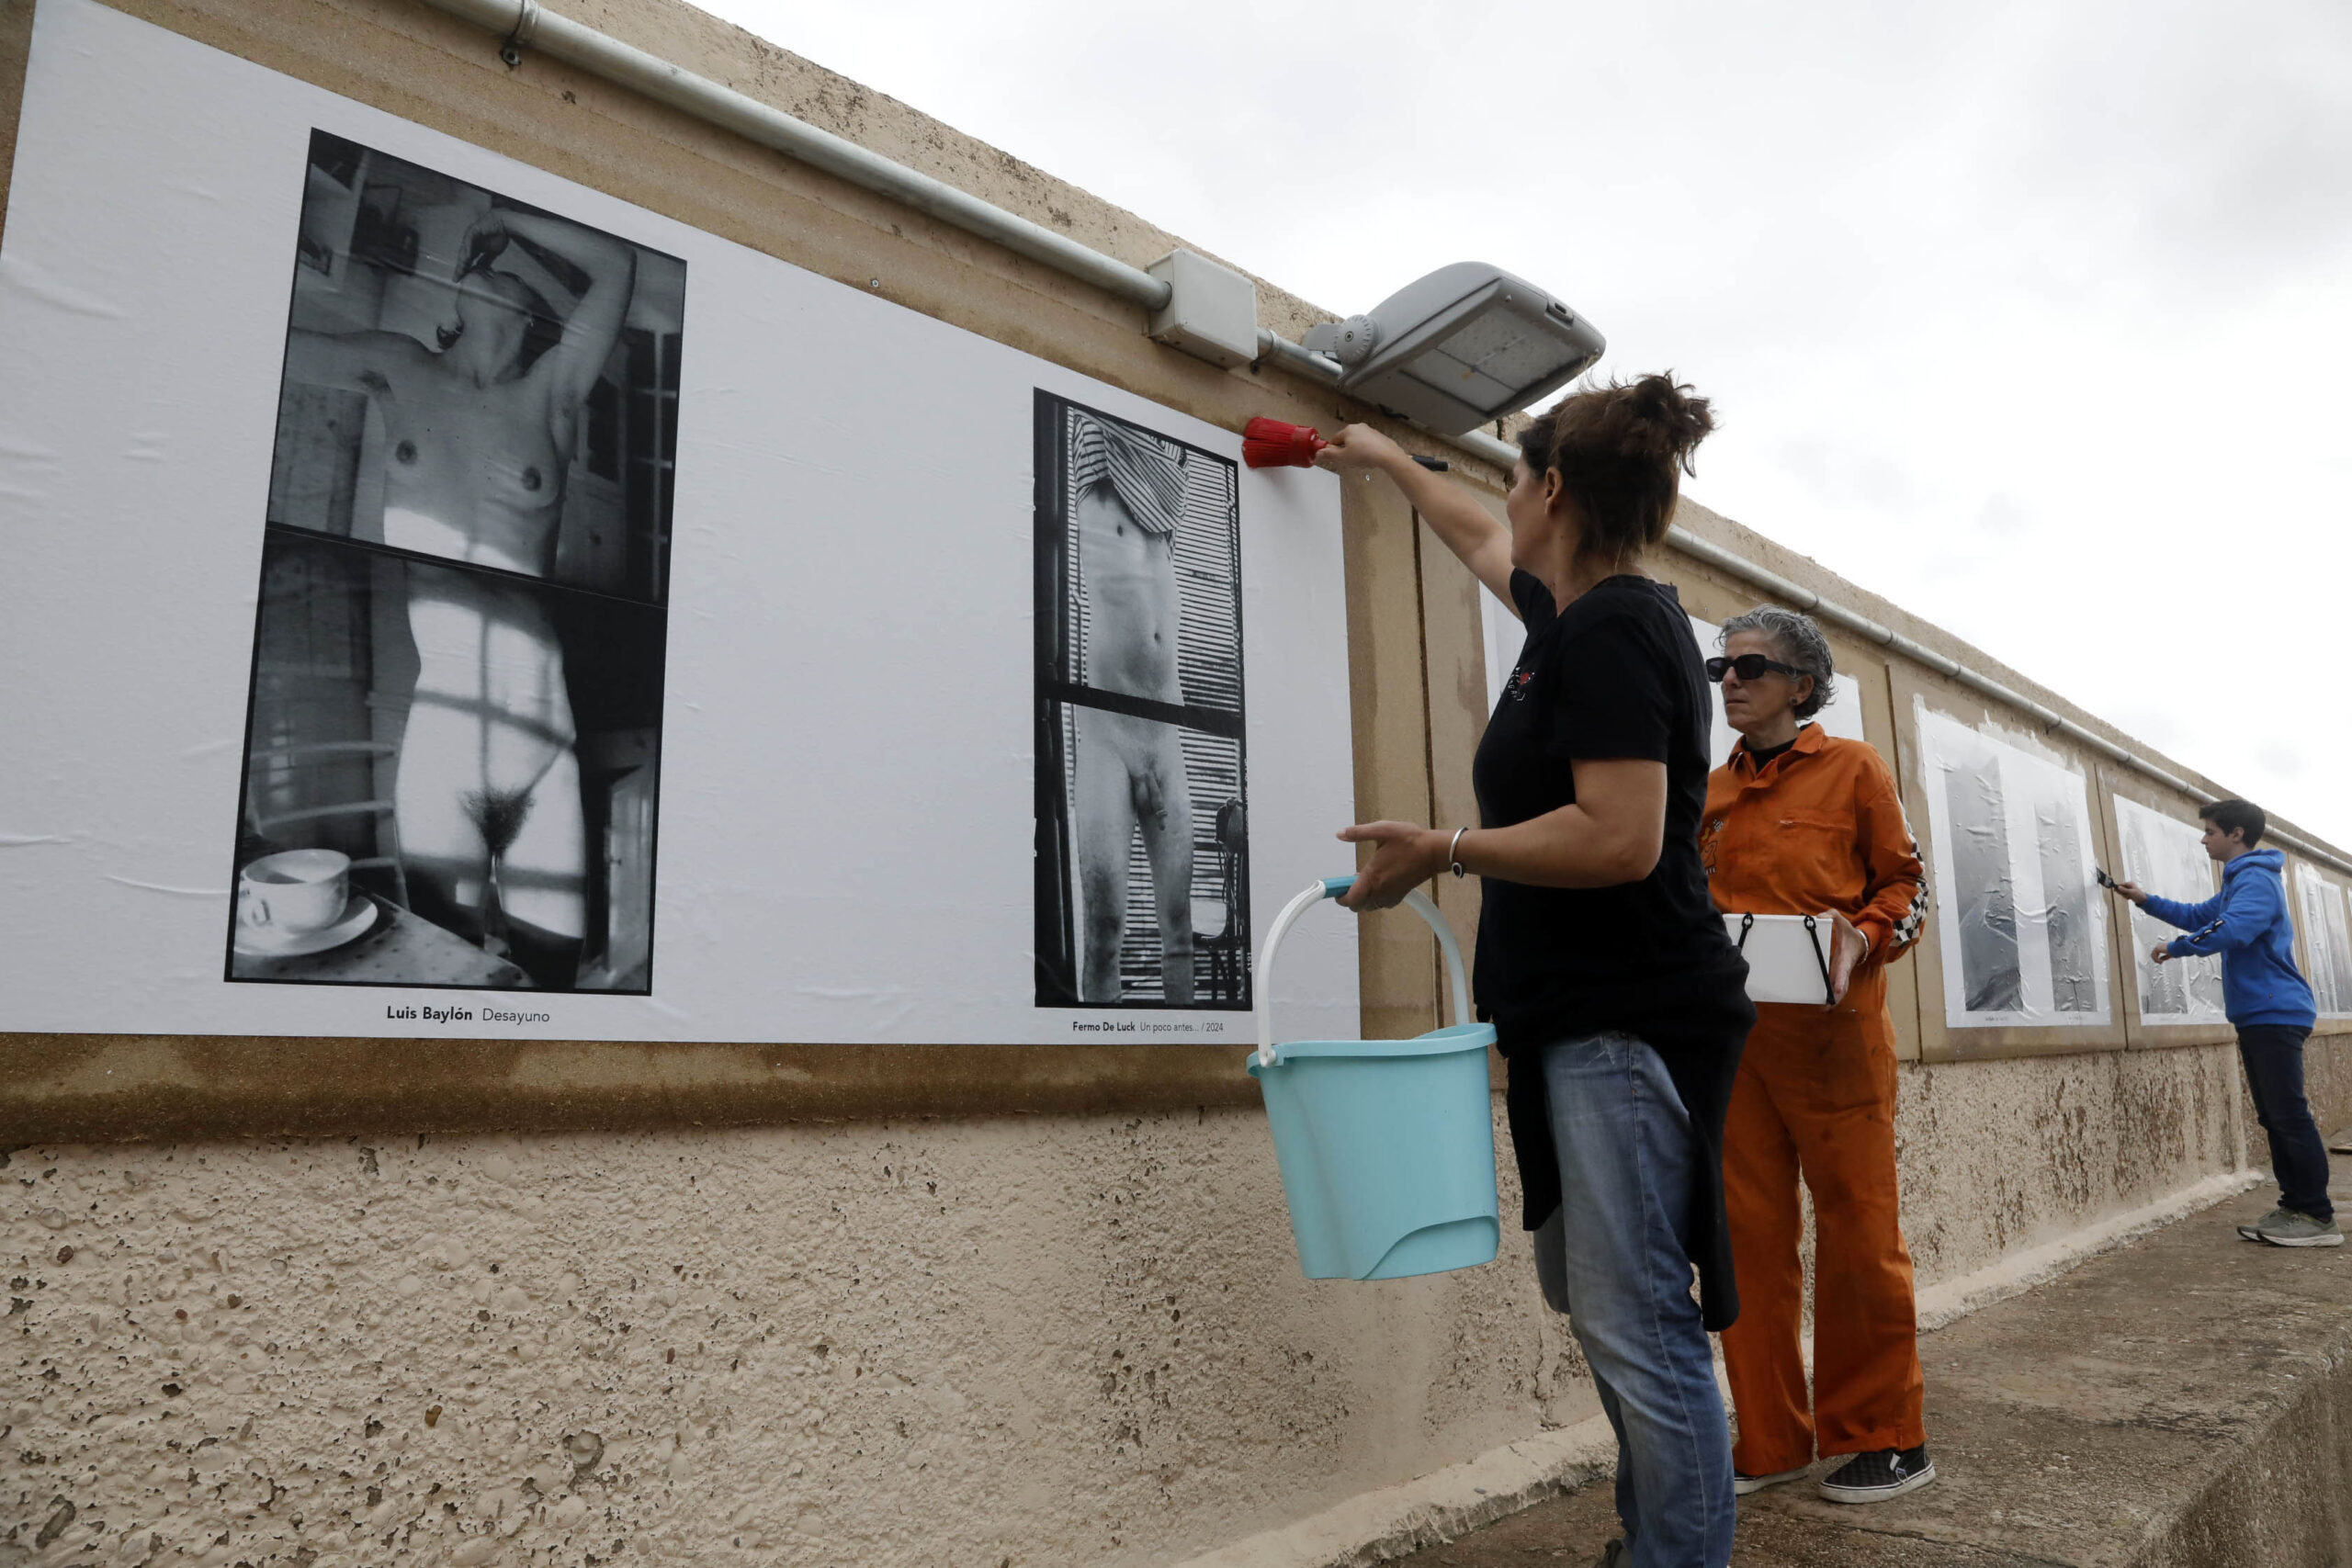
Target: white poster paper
[
  {"x": 2019, "y": 920},
  {"x": 2166, "y": 857},
  {"x": 2327, "y": 936},
  {"x": 1505, "y": 637},
  {"x": 509, "y": 574}
]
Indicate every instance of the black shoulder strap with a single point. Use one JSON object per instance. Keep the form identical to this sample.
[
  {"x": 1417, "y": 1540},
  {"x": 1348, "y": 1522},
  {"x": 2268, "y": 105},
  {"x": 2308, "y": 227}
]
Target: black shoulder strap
[{"x": 1812, "y": 934}]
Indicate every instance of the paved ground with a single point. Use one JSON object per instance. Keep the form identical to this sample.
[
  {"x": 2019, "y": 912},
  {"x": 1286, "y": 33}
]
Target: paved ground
[{"x": 2149, "y": 1407}]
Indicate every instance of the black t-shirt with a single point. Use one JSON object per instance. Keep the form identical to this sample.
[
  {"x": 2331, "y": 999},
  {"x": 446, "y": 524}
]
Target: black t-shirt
[{"x": 1616, "y": 675}]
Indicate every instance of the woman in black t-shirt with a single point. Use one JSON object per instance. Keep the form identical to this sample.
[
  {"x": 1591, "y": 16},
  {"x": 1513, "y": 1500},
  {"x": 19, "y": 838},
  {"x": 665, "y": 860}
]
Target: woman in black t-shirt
[{"x": 1618, "y": 998}]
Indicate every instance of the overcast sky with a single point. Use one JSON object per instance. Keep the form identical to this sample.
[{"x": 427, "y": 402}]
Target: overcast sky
[{"x": 2036, "y": 318}]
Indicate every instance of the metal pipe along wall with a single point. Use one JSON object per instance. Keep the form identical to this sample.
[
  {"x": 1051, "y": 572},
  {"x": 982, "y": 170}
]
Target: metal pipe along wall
[{"x": 534, "y": 27}]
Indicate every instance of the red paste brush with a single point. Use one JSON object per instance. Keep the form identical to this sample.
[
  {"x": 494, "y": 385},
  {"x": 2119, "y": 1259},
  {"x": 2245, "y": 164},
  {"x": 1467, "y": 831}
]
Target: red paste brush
[
  {"x": 1270, "y": 444},
  {"x": 1273, "y": 443}
]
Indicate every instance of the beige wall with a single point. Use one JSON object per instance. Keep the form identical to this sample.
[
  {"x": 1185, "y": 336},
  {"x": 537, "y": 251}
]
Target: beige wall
[
  {"x": 1053, "y": 1340},
  {"x": 1031, "y": 1306}
]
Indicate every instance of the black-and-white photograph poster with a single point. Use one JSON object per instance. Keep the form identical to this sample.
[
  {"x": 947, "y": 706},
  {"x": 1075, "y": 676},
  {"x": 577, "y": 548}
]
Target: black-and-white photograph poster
[
  {"x": 1143, "y": 841},
  {"x": 2327, "y": 939},
  {"x": 424, "y": 637},
  {"x": 1976, "y": 821},
  {"x": 453, "y": 744},
  {"x": 2023, "y": 939},
  {"x": 2167, "y": 856}
]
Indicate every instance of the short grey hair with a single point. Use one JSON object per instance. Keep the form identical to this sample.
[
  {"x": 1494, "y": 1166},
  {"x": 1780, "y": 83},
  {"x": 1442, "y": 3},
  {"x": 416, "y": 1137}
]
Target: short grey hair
[{"x": 1797, "y": 639}]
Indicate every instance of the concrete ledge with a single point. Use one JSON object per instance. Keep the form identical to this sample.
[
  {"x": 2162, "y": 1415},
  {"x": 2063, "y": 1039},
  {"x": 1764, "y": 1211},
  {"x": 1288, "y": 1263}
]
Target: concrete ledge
[
  {"x": 1948, "y": 1302},
  {"x": 2185, "y": 1401},
  {"x": 1381, "y": 1525},
  {"x": 1449, "y": 1503}
]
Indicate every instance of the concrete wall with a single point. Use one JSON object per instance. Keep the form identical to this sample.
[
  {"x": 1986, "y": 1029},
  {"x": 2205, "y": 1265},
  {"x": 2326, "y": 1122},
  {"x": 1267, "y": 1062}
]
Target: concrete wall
[
  {"x": 1072, "y": 1334},
  {"x": 1036, "y": 1341}
]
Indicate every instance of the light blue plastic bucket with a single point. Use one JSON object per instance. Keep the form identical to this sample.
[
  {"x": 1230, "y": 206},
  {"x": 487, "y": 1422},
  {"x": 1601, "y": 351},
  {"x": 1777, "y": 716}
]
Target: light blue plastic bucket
[{"x": 1386, "y": 1146}]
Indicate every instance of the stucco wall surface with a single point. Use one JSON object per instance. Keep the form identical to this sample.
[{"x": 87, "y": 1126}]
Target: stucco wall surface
[
  {"x": 1999, "y": 1156},
  {"x": 1025, "y": 1341}
]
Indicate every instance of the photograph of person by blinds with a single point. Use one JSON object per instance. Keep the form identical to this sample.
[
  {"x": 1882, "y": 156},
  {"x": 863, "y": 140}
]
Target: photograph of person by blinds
[
  {"x": 1142, "y": 849},
  {"x": 454, "y": 729}
]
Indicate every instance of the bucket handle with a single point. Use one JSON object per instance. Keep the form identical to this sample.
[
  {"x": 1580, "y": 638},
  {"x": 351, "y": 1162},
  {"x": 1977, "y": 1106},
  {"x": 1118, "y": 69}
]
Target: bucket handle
[{"x": 1332, "y": 887}]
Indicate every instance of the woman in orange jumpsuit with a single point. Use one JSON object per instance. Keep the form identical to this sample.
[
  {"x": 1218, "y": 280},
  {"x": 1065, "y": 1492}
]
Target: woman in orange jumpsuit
[{"x": 1797, "y": 823}]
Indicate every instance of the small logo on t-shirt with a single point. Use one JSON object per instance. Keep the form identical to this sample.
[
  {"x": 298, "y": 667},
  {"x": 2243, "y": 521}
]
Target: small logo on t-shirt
[{"x": 1516, "y": 687}]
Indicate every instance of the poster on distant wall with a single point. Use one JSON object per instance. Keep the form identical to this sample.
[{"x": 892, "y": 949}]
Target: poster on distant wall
[
  {"x": 2327, "y": 938},
  {"x": 2021, "y": 926},
  {"x": 2166, "y": 857},
  {"x": 454, "y": 600}
]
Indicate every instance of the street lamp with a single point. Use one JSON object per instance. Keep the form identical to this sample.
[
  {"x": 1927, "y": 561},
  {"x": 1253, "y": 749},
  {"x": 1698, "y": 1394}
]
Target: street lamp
[{"x": 1460, "y": 348}]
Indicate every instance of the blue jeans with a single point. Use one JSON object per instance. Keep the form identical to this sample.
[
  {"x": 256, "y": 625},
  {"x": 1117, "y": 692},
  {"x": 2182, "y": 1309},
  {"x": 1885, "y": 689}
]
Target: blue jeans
[
  {"x": 2273, "y": 1054},
  {"x": 1612, "y": 1257}
]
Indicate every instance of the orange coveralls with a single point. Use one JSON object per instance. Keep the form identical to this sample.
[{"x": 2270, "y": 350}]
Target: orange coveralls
[{"x": 1818, "y": 828}]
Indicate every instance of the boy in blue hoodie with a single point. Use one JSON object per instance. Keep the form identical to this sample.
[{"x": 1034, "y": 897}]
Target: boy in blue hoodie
[{"x": 2269, "y": 1004}]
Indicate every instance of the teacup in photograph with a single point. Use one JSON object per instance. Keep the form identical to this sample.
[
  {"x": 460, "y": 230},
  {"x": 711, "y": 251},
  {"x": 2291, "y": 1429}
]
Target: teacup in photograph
[{"x": 295, "y": 892}]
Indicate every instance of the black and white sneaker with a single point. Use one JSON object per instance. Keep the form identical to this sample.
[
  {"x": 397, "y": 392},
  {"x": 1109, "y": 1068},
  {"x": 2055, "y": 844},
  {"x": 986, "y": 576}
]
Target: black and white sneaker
[{"x": 1875, "y": 1477}]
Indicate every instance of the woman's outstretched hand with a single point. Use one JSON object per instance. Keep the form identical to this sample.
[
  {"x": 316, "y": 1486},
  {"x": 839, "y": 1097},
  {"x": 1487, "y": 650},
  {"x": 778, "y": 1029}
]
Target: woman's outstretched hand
[
  {"x": 1358, "y": 449},
  {"x": 1404, "y": 856}
]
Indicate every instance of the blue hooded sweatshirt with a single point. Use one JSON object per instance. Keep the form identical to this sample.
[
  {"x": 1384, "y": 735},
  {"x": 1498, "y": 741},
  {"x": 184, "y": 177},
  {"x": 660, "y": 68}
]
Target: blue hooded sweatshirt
[{"x": 2246, "y": 923}]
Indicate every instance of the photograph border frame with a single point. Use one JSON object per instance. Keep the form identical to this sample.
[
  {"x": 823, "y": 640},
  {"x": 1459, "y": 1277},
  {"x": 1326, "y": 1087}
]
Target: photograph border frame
[
  {"x": 377, "y": 547},
  {"x": 1053, "y": 851}
]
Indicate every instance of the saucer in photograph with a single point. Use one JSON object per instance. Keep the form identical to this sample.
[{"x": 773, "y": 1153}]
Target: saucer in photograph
[{"x": 360, "y": 917}]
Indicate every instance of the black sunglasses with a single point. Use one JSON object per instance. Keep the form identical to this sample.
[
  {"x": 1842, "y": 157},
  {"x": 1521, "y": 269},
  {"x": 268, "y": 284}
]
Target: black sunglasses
[{"x": 1750, "y": 666}]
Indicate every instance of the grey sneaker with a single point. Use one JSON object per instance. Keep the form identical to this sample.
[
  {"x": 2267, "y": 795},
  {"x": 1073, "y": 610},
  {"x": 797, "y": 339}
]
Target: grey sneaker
[
  {"x": 1741, "y": 1486},
  {"x": 1610, "y": 1555},
  {"x": 2254, "y": 1231},
  {"x": 2291, "y": 1229}
]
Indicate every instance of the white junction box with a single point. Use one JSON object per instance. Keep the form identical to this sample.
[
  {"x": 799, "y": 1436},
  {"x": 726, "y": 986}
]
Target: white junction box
[{"x": 1212, "y": 310}]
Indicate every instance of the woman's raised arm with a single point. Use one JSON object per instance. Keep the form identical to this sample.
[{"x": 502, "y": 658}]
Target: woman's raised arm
[{"x": 1482, "y": 544}]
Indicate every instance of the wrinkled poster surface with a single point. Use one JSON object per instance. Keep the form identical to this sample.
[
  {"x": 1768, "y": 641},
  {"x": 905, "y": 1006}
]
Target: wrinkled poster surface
[
  {"x": 2166, "y": 857},
  {"x": 2328, "y": 939},
  {"x": 2021, "y": 922}
]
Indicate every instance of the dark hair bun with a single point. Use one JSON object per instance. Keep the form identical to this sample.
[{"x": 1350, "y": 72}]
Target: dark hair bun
[
  {"x": 1619, "y": 447},
  {"x": 1662, "y": 419}
]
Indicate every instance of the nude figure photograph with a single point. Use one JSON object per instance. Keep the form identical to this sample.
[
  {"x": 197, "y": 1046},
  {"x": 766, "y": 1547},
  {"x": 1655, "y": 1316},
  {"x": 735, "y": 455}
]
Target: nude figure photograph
[
  {"x": 455, "y": 704},
  {"x": 1142, "y": 833}
]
